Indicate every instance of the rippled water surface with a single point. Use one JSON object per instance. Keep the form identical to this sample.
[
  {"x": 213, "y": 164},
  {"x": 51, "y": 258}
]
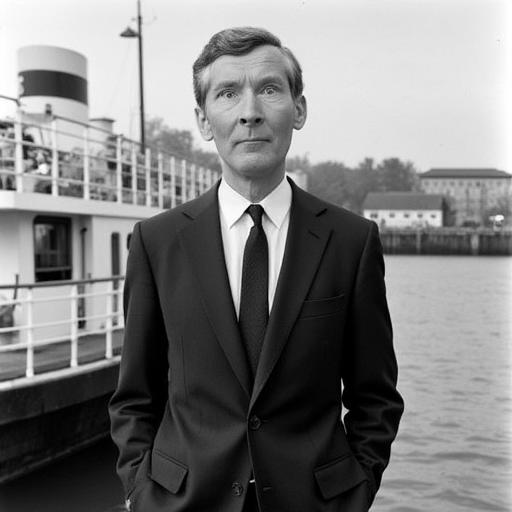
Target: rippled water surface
[{"x": 452, "y": 319}]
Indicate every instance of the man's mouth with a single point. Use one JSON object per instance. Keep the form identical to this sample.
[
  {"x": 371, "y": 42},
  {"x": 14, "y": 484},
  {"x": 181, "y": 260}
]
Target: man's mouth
[{"x": 252, "y": 140}]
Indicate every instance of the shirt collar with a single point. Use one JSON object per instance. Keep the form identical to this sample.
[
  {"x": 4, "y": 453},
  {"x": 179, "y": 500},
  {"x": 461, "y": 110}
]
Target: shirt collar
[
  {"x": 276, "y": 205},
  {"x": 278, "y": 202}
]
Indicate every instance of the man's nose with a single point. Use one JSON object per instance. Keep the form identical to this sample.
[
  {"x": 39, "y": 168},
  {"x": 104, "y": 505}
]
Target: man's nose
[{"x": 250, "y": 111}]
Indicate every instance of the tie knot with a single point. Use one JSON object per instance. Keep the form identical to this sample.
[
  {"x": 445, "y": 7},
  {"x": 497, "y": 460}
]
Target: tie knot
[{"x": 256, "y": 213}]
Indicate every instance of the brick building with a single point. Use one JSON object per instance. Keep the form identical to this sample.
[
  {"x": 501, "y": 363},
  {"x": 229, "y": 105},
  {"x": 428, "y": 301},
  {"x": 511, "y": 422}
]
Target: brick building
[{"x": 472, "y": 194}]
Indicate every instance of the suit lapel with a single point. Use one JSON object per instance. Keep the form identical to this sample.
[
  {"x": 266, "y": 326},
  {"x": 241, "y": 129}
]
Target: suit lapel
[
  {"x": 305, "y": 245},
  {"x": 202, "y": 240}
]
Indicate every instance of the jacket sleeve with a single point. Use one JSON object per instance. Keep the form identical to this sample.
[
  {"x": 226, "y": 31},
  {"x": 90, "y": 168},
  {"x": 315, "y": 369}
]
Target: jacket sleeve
[
  {"x": 369, "y": 367},
  {"x": 137, "y": 405}
]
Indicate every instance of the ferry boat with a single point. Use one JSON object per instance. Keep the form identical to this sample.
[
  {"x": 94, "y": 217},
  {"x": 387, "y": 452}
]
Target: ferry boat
[{"x": 70, "y": 192}]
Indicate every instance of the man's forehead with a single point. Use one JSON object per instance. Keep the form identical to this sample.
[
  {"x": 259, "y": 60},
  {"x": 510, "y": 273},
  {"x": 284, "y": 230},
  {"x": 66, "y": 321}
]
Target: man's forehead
[
  {"x": 263, "y": 60},
  {"x": 265, "y": 54}
]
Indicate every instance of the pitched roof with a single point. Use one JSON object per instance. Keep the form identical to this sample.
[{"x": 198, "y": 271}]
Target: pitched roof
[
  {"x": 402, "y": 201},
  {"x": 465, "y": 173}
]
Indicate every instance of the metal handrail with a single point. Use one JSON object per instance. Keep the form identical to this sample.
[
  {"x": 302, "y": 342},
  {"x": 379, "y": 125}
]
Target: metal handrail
[
  {"x": 15, "y": 347},
  {"x": 103, "y": 167},
  {"x": 68, "y": 324},
  {"x": 67, "y": 282},
  {"x": 42, "y": 325}
]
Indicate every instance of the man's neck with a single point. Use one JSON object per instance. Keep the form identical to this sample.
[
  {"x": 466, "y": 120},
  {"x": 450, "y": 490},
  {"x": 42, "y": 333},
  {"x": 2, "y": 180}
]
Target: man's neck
[{"x": 253, "y": 190}]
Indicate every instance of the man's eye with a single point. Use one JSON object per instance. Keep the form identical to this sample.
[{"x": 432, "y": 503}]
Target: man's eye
[
  {"x": 269, "y": 89},
  {"x": 228, "y": 94}
]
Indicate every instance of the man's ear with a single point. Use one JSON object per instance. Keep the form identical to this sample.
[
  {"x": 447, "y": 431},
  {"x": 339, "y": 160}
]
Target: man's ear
[
  {"x": 203, "y": 124},
  {"x": 301, "y": 112}
]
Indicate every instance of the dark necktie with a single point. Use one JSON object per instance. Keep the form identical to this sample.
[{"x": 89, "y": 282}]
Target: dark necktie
[{"x": 253, "y": 315}]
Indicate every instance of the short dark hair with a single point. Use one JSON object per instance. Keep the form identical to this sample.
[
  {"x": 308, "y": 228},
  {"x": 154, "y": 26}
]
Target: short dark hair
[{"x": 240, "y": 41}]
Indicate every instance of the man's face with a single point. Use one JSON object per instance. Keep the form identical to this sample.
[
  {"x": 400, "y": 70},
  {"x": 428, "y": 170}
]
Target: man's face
[{"x": 250, "y": 113}]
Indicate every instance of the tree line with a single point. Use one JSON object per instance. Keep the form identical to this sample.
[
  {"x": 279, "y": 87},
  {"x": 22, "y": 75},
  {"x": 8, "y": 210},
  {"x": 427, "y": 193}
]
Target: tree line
[
  {"x": 331, "y": 180},
  {"x": 348, "y": 186}
]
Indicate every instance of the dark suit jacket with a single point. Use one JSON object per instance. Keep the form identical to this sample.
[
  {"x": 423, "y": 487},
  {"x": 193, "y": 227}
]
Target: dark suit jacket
[{"x": 190, "y": 426}]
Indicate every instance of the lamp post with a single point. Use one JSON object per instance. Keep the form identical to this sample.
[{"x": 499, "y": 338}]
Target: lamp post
[{"x": 129, "y": 32}]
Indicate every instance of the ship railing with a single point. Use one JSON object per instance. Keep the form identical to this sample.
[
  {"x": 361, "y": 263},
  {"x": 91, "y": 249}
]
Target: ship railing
[
  {"x": 53, "y": 325},
  {"x": 54, "y": 155}
]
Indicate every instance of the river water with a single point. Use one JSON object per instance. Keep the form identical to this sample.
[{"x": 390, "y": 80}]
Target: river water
[{"x": 453, "y": 337}]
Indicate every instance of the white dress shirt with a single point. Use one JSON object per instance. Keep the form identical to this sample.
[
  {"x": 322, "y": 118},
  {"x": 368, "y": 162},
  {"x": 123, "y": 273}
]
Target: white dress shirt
[{"x": 235, "y": 225}]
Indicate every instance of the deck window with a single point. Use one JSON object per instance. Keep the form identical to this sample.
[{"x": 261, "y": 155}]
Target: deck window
[{"x": 52, "y": 248}]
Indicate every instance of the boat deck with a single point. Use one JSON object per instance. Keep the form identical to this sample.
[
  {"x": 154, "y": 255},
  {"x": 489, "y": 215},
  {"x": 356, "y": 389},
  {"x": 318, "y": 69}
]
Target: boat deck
[{"x": 55, "y": 357}]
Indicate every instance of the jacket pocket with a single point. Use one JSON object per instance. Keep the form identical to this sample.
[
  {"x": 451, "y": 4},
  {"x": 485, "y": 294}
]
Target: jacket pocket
[
  {"x": 167, "y": 472},
  {"x": 322, "y": 307},
  {"x": 339, "y": 476}
]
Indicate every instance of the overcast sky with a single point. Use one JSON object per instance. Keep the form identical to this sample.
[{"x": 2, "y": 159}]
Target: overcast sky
[{"x": 425, "y": 81}]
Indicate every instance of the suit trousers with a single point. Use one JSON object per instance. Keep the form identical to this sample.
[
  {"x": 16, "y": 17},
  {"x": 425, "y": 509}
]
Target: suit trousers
[{"x": 251, "y": 502}]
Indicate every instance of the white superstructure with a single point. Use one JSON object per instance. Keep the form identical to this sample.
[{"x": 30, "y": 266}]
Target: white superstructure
[{"x": 70, "y": 192}]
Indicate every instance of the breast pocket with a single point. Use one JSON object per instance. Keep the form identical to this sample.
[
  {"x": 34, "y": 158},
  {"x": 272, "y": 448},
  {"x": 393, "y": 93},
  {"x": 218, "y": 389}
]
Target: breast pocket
[{"x": 316, "y": 308}]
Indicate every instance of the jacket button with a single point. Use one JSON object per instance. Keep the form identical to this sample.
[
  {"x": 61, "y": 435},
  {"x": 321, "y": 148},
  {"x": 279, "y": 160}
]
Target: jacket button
[
  {"x": 254, "y": 423},
  {"x": 237, "y": 489}
]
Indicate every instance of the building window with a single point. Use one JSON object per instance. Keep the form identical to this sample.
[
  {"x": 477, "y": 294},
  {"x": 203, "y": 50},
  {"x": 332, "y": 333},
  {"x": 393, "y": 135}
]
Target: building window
[
  {"x": 392, "y": 214},
  {"x": 433, "y": 215},
  {"x": 52, "y": 248},
  {"x": 420, "y": 215},
  {"x": 374, "y": 215},
  {"x": 406, "y": 215},
  {"x": 477, "y": 183}
]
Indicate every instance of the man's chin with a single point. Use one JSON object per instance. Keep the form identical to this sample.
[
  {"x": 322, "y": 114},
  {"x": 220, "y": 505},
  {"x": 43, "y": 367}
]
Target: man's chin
[{"x": 256, "y": 167}]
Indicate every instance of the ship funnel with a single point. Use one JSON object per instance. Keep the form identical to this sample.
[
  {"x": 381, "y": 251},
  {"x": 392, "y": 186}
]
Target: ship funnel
[{"x": 55, "y": 79}]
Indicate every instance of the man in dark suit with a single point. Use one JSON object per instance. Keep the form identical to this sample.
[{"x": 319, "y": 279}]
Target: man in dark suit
[{"x": 252, "y": 314}]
